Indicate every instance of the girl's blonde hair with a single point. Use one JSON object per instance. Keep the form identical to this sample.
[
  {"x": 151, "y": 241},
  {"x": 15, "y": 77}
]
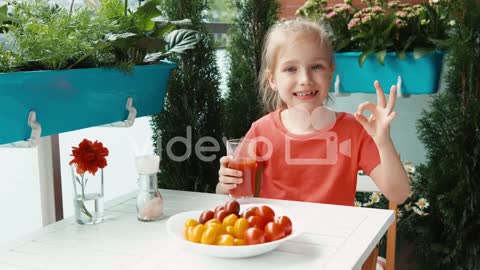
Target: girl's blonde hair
[{"x": 281, "y": 34}]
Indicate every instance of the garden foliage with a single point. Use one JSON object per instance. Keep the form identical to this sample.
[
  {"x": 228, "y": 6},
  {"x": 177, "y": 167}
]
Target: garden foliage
[
  {"x": 449, "y": 238},
  {"x": 242, "y": 102},
  {"x": 192, "y": 110}
]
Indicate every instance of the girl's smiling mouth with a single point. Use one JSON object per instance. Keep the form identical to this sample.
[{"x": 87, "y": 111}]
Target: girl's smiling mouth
[{"x": 306, "y": 93}]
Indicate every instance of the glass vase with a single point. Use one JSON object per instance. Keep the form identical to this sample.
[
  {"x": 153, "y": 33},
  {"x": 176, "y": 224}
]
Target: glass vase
[
  {"x": 88, "y": 196},
  {"x": 149, "y": 200}
]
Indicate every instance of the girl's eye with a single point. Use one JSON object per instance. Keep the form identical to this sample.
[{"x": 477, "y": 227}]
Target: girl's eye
[
  {"x": 290, "y": 69},
  {"x": 317, "y": 67}
]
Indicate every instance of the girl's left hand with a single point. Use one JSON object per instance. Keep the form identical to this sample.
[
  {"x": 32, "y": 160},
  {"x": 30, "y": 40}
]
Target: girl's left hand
[{"x": 382, "y": 114}]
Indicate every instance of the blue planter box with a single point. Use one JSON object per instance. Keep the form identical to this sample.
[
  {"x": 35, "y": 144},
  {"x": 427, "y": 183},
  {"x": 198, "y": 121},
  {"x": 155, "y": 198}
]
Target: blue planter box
[
  {"x": 419, "y": 76},
  {"x": 67, "y": 100}
]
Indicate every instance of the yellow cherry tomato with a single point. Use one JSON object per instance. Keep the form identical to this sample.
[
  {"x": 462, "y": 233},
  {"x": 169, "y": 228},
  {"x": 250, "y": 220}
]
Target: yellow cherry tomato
[
  {"x": 224, "y": 240},
  {"x": 239, "y": 242},
  {"x": 213, "y": 221},
  {"x": 189, "y": 233},
  {"x": 220, "y": 229},
  {"x": 230, "y": 230},
  {"x": 229, "y": 220},
  {"x": 191, "y": 222},
  {"x": 241, "y": 225},
  {"x": 209, "y": 235},
  {"x": 197, "y": 232}
]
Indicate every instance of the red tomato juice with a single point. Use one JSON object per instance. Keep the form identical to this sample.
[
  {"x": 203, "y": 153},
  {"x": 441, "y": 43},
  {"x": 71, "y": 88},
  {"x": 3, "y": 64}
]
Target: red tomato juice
[{"x": 248, "y": 168}]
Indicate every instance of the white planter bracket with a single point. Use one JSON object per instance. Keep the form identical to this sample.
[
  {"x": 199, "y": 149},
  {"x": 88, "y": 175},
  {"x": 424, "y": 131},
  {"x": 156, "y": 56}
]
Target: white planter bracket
[
  {"x": 337, "y": 88},
  {"x": 132, "y": 114},
  {"x": 34, "y": 135},
  {"x": 399, "y": 86}
]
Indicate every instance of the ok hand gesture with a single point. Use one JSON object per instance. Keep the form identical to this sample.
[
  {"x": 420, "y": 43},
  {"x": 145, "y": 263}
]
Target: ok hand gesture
[{"x": 382, "y": 114}]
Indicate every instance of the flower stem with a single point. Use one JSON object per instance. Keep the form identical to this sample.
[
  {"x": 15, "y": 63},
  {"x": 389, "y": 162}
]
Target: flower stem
[
  {"x": 84, "y": 209},
  {"x": 81, "y": 203}
]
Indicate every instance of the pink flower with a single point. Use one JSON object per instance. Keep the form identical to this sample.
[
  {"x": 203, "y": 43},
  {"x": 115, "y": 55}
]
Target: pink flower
[
  {"x": 401, "y": 14},
  {"x": 353, "y": 23},
  {"x": 376, "y": 8},
  {"x": 366, "y": 18},
  {"x": 331, "y": 14}
]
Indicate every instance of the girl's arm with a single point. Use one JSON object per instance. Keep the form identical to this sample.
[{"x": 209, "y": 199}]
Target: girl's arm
[{"x": 389, "y": 175}]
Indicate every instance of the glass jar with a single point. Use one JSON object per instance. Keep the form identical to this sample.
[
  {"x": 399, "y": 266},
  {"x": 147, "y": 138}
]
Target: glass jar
[
  {"x": 149, "y": 200},
  {"x": 88, "y": 196}
]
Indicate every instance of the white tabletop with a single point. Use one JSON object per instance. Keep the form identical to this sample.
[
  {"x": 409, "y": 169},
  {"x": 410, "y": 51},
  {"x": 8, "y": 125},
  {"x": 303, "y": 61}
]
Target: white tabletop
[{"x": 334, "y": 237}]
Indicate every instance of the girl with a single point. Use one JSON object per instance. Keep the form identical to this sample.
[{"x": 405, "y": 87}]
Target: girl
[{"x": 305, "y": 151}]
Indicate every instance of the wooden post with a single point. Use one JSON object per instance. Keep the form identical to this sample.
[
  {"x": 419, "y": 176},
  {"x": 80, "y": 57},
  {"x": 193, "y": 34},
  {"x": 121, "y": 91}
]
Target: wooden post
[{"x": 392, "y": 238}]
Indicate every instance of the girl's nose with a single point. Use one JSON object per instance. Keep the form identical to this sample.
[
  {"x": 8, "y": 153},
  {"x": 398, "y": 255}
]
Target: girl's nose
[{"x": 305, "y": 77}]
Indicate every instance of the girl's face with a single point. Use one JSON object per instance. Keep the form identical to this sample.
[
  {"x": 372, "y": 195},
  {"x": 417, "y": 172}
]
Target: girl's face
[{"x": 303, "y": 72}]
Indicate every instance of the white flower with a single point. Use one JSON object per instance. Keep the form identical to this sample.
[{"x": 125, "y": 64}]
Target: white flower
[
  {"x": 399, "y": 215},
  {"x": 367, "y": 204},
  {"x": 357, "y": 204},
  {"x": 375, "y": 197},
  {"x": 408, "y": 165},
  {"x": 422, "y": 203},
  {"x": 451, "y": 23},
  {"x": 419, "y": 212}
]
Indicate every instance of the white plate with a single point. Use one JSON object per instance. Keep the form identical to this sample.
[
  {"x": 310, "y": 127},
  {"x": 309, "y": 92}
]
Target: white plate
[{"x": 176, "y": 229}]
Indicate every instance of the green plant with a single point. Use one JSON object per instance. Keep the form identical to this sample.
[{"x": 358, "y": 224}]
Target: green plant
[
  {"x": 242, "y": 104},
  {"x": 192, "y": 110},
  {"x": 449, "y": 238},
  {"x": 45, "y": 36},
  {"x": 382, "y": 26}
]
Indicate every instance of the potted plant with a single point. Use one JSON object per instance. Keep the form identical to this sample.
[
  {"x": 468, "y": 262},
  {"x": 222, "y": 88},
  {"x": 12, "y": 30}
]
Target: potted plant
[
  {"x": 77, "y": 68},
  {"x": 391, "y": 42}
]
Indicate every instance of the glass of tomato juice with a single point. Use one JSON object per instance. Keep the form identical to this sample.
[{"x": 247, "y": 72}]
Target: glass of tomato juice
[{"x": 243, "y": 153}]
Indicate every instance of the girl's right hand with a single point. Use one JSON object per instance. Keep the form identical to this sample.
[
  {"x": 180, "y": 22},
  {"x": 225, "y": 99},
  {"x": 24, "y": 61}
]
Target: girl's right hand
[{"x": 227, "y": 178}]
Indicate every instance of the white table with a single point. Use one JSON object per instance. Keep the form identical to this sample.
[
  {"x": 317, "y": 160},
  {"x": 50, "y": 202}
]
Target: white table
[{"x": 335, "y": 237}]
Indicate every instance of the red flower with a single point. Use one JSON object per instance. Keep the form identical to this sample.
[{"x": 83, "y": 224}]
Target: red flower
[{"x": 89, "y": 156}]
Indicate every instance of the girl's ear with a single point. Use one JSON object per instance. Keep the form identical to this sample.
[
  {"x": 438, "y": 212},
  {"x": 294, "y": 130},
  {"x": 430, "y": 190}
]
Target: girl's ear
[{"x": 271, "y": 81}]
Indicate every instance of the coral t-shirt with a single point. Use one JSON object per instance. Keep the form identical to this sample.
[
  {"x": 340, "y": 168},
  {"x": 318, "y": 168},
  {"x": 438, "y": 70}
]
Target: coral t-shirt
[{"x": 317, "y": 167}]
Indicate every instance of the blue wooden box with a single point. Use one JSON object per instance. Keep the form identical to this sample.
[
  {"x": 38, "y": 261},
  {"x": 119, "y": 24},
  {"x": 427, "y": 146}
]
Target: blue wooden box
[
  {"x": 67, "y": 100},
  {"x": 419, "y": 76}
]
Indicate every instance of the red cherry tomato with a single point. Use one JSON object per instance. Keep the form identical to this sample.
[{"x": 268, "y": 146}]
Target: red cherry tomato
[
  {"x": 273, "y": 231},
  {"x": 205, "y": 216},
  {"x": 266, "y": 212},
  {"x": 232, "y": 207},
  {"x": 257, "y": 222},
  {"x": 285, "y": 222},
  {"x": 220, "y": 215},
  {"x": 249, "y": 212},
  {"x": 218, "y": 208},
  {"x": 254, "y": 236}
]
